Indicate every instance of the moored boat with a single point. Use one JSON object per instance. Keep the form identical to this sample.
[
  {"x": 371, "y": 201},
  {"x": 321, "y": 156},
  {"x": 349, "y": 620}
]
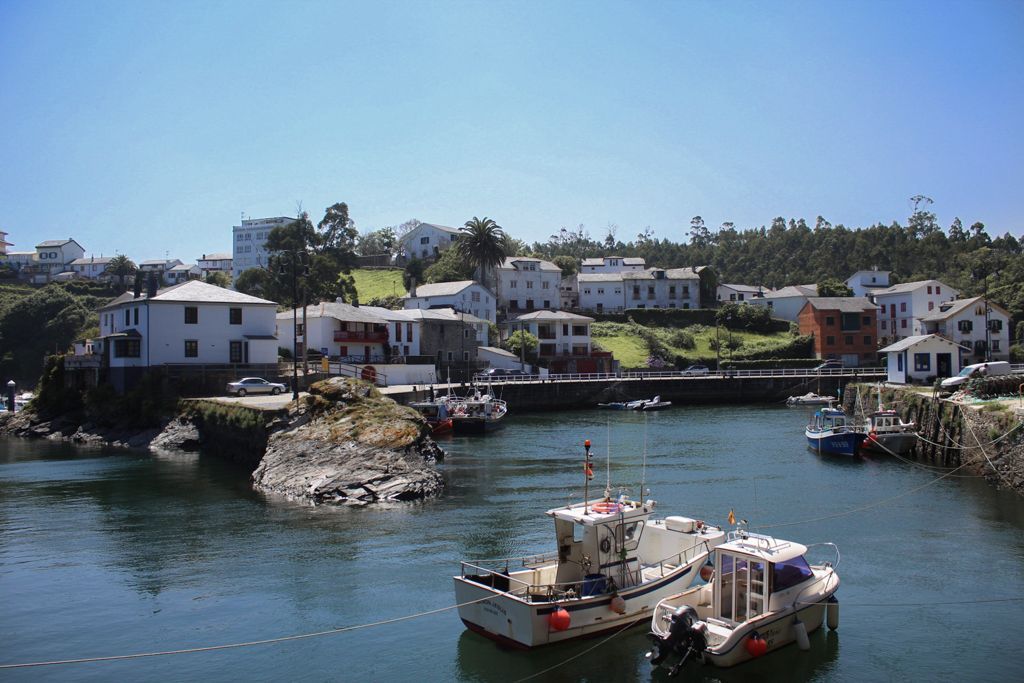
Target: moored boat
[
  {"x": 613, "y": 563},
  {"x": 763, "y": 595},
  {"x": 435, "y": 411},
  {"x": 828, "y": 432},
  {"x": 476, "y": 414},
  {"x": 655, "y": 404},
  {"x": 887, "y": 433},
  {"x": 810, "y": 399}
]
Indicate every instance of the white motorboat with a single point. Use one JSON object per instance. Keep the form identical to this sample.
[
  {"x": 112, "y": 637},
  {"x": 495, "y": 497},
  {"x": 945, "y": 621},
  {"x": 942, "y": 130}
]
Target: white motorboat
[
  {"x": 810, "y": 399},
  {"x": 887, "y": 433},
  {"x": 613, "y": 564},
  {"x": 656, "y": 404},
  {"x": 478, "y": 413},
  {"x": 762, "y": 595}
]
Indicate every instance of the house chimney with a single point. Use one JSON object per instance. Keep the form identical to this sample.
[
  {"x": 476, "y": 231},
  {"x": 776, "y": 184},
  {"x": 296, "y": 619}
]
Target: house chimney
[{"x": 151, "y": 286}]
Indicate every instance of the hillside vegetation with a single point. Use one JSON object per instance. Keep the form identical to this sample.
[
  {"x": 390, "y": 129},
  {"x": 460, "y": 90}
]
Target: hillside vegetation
[{"x": 378, "y": 283}]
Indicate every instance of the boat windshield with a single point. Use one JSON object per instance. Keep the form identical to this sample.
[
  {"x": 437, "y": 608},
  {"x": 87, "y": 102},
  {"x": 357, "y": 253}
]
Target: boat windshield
[{"x": 789, "y": 573}]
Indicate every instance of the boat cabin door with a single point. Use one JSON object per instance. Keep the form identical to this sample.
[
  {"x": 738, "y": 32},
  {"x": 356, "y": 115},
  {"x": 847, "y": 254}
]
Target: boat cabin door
[{"x": 741, "y": 588}]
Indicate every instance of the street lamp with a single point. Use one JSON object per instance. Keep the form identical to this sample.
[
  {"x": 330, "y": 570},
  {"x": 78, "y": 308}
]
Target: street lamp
[
  {"x": 296, "y": 259},
  {"x": 988, "y": 310}
]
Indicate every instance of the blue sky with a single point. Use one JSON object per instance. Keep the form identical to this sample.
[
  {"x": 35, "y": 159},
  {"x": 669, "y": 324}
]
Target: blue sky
[{"x": 147, "y": 128}]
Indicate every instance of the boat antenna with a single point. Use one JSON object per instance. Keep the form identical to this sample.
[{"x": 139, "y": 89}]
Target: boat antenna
[
  {"x": 588, "y": 474},
  {"x": 608, "y": 459},
  {"x": 643, "y": 468}
]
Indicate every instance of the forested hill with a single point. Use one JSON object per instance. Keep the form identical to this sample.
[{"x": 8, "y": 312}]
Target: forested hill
[{"x": 792, "y": 252}]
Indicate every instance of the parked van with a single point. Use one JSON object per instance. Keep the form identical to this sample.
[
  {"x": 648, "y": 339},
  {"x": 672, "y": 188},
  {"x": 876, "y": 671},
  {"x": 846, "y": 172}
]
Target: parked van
[{"x": 990, "y": 369}]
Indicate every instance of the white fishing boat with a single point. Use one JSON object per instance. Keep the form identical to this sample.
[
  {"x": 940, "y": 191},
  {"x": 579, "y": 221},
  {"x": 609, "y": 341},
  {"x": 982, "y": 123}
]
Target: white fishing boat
[
  {"x": 613, "y": 564},
  {"x": 887, "y": 433},
  {"x": 656, "y": 404},
  {"x": 478, "y": 413},
  {"x": 762, "y": 595}
]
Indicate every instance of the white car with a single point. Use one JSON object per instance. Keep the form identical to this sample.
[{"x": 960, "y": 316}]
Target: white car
[
  {"x": 695, "y": 370},
  {"x": 989, "y": 369},
  {"x": 254, "y": 385}
]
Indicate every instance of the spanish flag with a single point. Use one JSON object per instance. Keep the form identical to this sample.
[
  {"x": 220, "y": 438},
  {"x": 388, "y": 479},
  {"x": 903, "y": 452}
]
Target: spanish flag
[{"x": 732, "y": 517}]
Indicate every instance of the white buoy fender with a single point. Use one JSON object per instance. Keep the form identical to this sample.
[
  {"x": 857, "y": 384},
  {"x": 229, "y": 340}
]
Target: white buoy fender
[
  {"x": 832, "y": 609},
  {"x": 800, "y": 628}
]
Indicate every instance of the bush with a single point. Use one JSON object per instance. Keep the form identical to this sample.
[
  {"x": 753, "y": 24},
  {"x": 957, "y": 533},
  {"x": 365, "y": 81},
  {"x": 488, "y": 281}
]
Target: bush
[
  {"x": 682, "y": 339},
  {"x": 1017, "y": 353}
]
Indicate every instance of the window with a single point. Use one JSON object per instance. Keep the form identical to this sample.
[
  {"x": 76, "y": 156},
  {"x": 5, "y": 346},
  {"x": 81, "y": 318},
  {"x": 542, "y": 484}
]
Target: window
[
  {"x": 425, "y": 240},
  {"x": 929, "y": 289},
  {"x": 938, "y": 290},
  {"x": 565, "y": 329},
  {"x": 465, "y": 355},
  {"x": 686, "y": 291},
  {"x": 545, "y": 285},
  {"x": 529, "y": 284},
  {"x": 995, "y": 325},
  {"x": 135, "y": 315},
  {"x": 789, "y": 573},
  {"x": 235, "y": 316},
  {"x": 127, "y": 348},
  {"x": 475, "y": 296},
  {"x": 931, "y": 305},
  {"x": 867, "y": 340},
  {"x": 903, "y": 323},
  {"x": 586, "y": 290},
  {"x": 300, "y": 329},
  {"x": 241, "y": 237},
  {"x": 922, "y": 362},
  {"x": 883, "y": 325},
  {"x": 235, "y": 352},
  {"x": 849, "y": 322},
  {"x": 513, "y": 284},
  {"x": 398, "y": 331},
  {"x": 866, "y": 320},
  {"x": 191, "y": 315},
  {"x": 995, "y": 344},
  {"x": 191, "y": 348},
  {"x": 636, "y": 291},
  {"x": 579, "y": 330},
  {"x": 903, "y": 307},
  {"x": 408, "y": 334},
  {"x": 127, "y": 317},
  {"x": 965, "y": 325},
  {"x": 600, "y": 290},
  {"x": 899, "y": 362},
  {"x": 451, "y": 356},
  {"x": 830, "y": 340},
  {"x": 830, "y": 320},
  {"x": 848, "y": 340}
]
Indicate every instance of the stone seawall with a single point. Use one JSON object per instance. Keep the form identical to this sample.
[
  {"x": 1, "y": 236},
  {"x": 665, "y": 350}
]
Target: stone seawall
[
  {"x": 984, "y": 439},
  {"x": 538, "y": 395}
]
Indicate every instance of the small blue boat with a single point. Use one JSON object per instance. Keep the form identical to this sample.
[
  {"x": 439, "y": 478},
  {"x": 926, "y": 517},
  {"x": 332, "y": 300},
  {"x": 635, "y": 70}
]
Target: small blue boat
[{"x": 829, "y": 433}]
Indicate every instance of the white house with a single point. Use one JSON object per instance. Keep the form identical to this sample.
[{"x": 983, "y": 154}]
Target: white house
[
  {"x": 427, "y": 241},
  {"x": 963, "y": 321},
  {"x": 182, "y": 273},
  {"x": 4, "y": 243},
  {"x": 901, "y": 307},
  {"x": 52, "y": 258},
  {"x": 214, "y": 263},
  {"x": 249, "y": 243},
  {"x": 864, "y": 282},
  {"x": 341, "y": 331},
  {"x": 600, "y": 292},
  {"x": 160, "y": 267},
  {"x": 563, "y": 341},
  {"x": 737, "y": 293},
  {"x": 527, "y": 284},
  {"x": 612, "y": 264},
  {"x": 91, "y": 267},
  {"x": 568, "y": 293},
  {"x": 662, "y": 288},
  {"x": 922, "y": 358},
  {"x": 467, "y": 296},
  {"x": 190, "y": 323},
  {"x": 407, "y": 327},
  {"x": 787, "y": 302}
]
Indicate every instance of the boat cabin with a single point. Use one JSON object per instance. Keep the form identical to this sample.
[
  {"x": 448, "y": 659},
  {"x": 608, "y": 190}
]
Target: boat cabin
[
  {"x": 598, "y": 544},
  {"x": 754, "y": 575},
  {"x": 887, "y": 421},
  {"x": 829, "y": 419}
]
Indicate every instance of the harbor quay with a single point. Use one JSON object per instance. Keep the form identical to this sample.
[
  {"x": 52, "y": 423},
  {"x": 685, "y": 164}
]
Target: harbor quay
[{"x": 559, "y": 393}]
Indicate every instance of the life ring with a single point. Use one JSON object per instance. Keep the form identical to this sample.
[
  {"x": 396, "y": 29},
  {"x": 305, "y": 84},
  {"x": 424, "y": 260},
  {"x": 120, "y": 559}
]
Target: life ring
[
  {"x": 606, "y": 506},
  {"x": 606, "y": 545}
]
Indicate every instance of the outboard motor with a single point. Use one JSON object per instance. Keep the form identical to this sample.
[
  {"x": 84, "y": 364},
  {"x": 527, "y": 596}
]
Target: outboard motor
[{"x": 686, "y": 636}]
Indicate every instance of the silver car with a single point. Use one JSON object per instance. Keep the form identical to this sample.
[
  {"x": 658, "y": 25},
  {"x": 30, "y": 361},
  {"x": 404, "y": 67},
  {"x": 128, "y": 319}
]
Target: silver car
[{"x": 255, "y": 385}]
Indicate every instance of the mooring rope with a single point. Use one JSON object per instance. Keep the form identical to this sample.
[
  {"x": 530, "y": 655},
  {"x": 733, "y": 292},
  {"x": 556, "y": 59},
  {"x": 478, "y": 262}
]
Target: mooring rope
[{"x": 587, "y": 651}]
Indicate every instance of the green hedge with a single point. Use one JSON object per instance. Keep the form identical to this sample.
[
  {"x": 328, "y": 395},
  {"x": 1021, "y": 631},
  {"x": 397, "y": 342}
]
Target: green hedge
[{"x": 678, "y": 317}]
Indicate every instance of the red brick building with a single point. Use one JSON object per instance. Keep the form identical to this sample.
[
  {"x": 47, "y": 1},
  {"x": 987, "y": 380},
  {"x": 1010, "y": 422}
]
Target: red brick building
[{"x": 843, "y": 327}]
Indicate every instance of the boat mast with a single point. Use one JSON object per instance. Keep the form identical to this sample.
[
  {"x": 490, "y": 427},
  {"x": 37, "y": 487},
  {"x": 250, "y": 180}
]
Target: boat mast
[
  {"x": 643, "y": 468},
  {"x": 588, "y": 474},
  {"x": 608, "y": 459}
]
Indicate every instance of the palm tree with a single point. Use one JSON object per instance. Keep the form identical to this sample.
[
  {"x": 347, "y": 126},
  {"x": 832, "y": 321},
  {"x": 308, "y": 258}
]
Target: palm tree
[
  {"x": 122, "y": 267},
  {"x": 482, "y": 244}
]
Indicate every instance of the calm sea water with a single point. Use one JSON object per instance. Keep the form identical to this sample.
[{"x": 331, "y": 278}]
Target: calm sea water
[{"x": 110, "y": 552}]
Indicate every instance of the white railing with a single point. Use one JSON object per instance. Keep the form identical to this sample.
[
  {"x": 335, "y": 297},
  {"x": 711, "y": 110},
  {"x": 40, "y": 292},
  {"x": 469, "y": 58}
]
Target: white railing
[{"x": 682, "y": 374}]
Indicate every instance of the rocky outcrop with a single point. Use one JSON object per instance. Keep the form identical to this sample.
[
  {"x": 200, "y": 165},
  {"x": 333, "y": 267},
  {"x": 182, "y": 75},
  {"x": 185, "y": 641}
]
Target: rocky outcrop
[
  {"x": 29, "y": 424},
  {"x": 347, "y": 444},
  {"x": 180, "y": 434}
]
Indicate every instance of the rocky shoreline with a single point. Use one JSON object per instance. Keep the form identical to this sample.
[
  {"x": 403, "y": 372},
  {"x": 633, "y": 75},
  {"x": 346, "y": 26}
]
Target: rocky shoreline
[{"x": 344, "y": 444}]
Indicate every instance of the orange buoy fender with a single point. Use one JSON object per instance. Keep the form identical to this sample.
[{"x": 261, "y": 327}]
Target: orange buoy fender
[
  {"x": 618, "y": 604},
  {"x": 559, "y": 619},
  {"x": 756, "y": 645}
]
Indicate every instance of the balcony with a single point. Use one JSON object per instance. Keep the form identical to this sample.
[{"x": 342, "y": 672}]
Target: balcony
[{"x": 361, "y": 336}]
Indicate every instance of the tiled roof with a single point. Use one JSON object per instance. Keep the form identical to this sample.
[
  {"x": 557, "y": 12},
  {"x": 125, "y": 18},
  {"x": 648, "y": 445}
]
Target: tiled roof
[
  {"x": 793, "y": 290},
  {"x": 599, "y": 277},
  {"x": 338, "y": 311},
  {"x": 553, "y": 315},
  {"x": 909, "y": 287},
  {"x": 101, "y": 260},
  {"x": 943, "y": 312},
  {"x": 54, "y": 243},
  {"x": 216, "y": 257},
  {"x": 914, "y": 340},
  {"x": 843, "y": 304},
  {"x": 193, "y": 291},
  {"x": 541, "y": 263},
  {"x": 442, "y": 288}
]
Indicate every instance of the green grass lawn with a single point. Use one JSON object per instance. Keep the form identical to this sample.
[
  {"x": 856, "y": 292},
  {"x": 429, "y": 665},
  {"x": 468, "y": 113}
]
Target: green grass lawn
[
  {"x": 631, "y": 351},
  {"x": 378, "y": 283}
]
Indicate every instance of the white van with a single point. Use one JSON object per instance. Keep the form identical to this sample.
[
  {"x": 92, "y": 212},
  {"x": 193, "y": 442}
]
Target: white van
[{"x": 990, "y": 369}]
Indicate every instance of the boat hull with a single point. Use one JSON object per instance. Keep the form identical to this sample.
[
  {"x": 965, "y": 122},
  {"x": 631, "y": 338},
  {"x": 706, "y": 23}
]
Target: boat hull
[
  {"x": 513, "y": 621},
  {"x": 837, "y": 443},
  {"x": 474, "y": 424},
  {"x": 777, "y": 630},
  {"x": 898, "y": 443}
]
